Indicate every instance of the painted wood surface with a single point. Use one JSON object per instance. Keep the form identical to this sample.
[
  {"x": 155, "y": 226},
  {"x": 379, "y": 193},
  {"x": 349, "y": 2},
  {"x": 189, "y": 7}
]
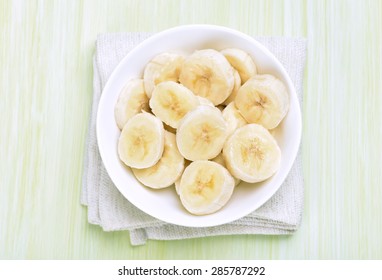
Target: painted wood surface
[{"x": 46, "y": 50}]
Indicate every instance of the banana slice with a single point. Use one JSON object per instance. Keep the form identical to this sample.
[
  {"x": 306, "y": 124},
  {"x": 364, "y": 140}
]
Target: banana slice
[
  {"x": 177, "y": 182},
  {"x": 167, "y": 170},
  {"x": 171, "y": 101},
  {"x": 141, "y": 142},
  {"x": 263, "y": 99},
  {"x": 204, "y": 101},
  {"x": 201, "y": 133},
  {"x": 207, "y": 73},
  {"x": 163, "y": 67},
  {"x": 177, "y": 185},
  {"x": 131, "y": 101},
  {"x": 242, "y": 62},
  {"x": 205, "y": 187},
  {"x": 252, "y": 154},
  {"x": 220, "y": 159},
  {"x": 236, "y": 86},
  {"x": 233, "y": 118}
]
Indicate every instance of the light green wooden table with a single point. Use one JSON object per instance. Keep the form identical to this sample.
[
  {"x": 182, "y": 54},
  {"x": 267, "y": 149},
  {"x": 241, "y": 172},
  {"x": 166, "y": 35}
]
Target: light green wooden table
[{"x": 46, "y": 50}]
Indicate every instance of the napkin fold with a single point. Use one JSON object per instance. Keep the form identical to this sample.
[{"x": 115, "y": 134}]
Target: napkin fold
[{"x": 108, "y": 208}]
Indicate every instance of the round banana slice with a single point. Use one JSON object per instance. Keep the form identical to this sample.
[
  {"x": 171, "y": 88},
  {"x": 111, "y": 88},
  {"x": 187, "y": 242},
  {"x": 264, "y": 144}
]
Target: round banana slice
[
  {"x": 171, "y": 101},
  {"x": 167, "y": 170},
  {"x": 233, "y": 118},
  {"x": 263, "y": 99},
  {"x": 207, "y": 73},
  {"x": 131, "y": 101},
  {"x": 242, "y": 62},
  {"x": 163, "y": 67},
  {"x": 205, "y": 187},
  {"x": 201, "y": 133},
  {"x": 236, "y": 86},
  {"x": 177, "y": 182},
  {"x": 204, "y": 101},
  {"x": 252, "y": 154},
  {"x": 141, "y": 142},
  {"x": 220, "y": 159}
]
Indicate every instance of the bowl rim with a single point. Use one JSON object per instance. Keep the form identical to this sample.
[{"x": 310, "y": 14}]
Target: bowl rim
[{"x": 185, "y": 28}]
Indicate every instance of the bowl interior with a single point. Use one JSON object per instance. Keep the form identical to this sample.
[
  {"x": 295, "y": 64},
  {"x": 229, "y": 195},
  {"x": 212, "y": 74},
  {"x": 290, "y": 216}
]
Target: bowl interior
[{"x": 164, "y": 204}]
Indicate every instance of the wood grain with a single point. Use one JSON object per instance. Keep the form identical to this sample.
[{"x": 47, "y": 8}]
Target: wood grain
[{"x": 46, "y": 49}]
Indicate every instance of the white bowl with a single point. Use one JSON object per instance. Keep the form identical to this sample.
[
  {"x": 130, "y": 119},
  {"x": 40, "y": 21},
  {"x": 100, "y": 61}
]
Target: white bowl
[{"x": 164, "y": 204}]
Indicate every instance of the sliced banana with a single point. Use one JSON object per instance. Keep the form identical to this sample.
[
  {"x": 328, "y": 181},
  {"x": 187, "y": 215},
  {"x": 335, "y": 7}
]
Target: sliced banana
[
  {"x": 236, "y": 86},
  {"x": 242, "y": 62},
  {"x": 177, "y": 185},
  {"x": 207, "y": 73},
  {"x": 201, "y": 133},
  {"x": 177, "y": 182},
  {"x": 205, "y": 187},
  {"x": 201, "y": 123},
  {"x": 204, "y": 101},
  {"x": 163, "y": 67},
  {"x": 171, "y": 101},
  {"x": 252, "y": 154},
  {"x": 220, "y": 159},
  {"x": 167, "y": 170},
  {"x": 131, "y": 101},
  {"x": 263, "y": 99},
  {"x": 233, "y": 118},
  {"x": 141, "y": 142}
]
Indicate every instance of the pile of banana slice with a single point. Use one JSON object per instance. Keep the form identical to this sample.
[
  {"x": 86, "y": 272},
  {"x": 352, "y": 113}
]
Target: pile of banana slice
[{"x": 201, "y": 123}]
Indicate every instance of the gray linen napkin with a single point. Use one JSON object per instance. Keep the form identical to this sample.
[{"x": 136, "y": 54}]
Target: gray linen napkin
[{"x": 110, "y": 210}]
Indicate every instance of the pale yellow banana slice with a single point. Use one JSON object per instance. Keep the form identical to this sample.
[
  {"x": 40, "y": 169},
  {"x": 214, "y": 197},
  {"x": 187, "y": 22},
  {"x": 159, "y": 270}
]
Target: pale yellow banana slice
[
  {"x": 236, "y": 86},
  {"x": 233, "y": 118},
  {"x": 242, "y": 62},
  {"x": 207, "y": 73},
  {"x": 171, "y": 101},
  {"x": 220, "y": 159},
  {"x": 167, "y": 170},
  {"x": 177, "y": 182},
  {"x": 205, "y": 187},
  {"x": 252, "y": 154},
  {"x": 201, "y": 133},
  {"x": 204, "y": 101},
  {"x": 163, "y": 67},
  {"x": 263, "y": 99},
  {"x": 131, "y": 101},
  {"x": 141, "y": 142}
]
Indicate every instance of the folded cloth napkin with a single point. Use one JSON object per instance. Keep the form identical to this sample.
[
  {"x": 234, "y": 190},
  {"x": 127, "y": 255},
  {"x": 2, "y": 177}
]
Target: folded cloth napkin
[{"x": 110, "y": 210}]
